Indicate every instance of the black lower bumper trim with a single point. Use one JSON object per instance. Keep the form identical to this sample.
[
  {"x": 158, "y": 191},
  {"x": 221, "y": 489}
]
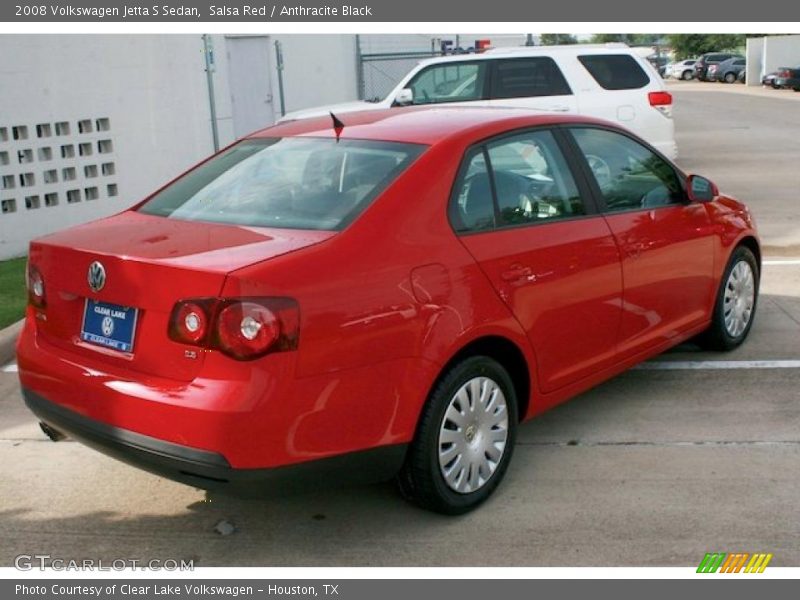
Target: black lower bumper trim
[{"x": 210, "y": 470}]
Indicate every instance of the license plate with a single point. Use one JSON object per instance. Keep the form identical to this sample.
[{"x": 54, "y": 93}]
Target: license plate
[{"x": 109, "y": 325}]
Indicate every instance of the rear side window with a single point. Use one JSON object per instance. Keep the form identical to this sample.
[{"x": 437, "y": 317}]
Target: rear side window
[
  {"x": 528, "y": 77},
  {"x": 294, "y": 183},
  {"x": 518, "y": 180},
  {"x": 615, "y": 71}
]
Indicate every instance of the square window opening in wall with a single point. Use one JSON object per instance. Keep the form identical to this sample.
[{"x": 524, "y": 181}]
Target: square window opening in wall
[
  {"x": 51, "y": 199},
  {"x": 45, "y": 153},
  {"x": 8, "y": 206},
  {"x": 25, "y": 156},
  {"x": 103, "y": 124},
  {"x": 85, "y": 126},
  {"x": 3, "y": 134},
  {"x": 20, "y": 132},
  {"x": 62, "y": 128},
  {"x": 8, "y": 182},
  {"x": 32, "y": 202},
  {"x": 90, "y": 171},
  {"x": 85, "y": 149},
  {"x": 108, "y": 168},
  {"x": 91, "y": 193},
  {"x": 4, "y": 160},
  {"x": 43, "y": 130},
  {"x": 73, "y": 196},
  {"x": 105, "y": 146},
  {"x": 27, "y": 179},
  {"x": 68, "y": 173},
  {"x": 68, "y": 151},
  {"x": 112, "y": 190},
  {"x": 51, "y": 176}
]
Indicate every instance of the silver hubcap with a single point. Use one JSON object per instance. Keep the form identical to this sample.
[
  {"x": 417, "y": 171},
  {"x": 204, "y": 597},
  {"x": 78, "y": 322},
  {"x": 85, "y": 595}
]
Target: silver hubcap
[
  {"x": 740, "y": 295},
  {"x": 473, "y": 435}
]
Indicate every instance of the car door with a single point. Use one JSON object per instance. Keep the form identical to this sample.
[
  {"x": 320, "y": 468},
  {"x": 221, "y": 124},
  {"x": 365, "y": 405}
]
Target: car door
[
  {"x": 666, "y": 243},
  {"x": 552, "y": 259},
  {"x": 534, "y": 82}
]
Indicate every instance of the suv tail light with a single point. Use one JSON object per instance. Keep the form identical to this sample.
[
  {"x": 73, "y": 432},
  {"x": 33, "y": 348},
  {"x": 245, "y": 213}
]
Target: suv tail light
[
  {"x": 242, "y": 328},
  {"x": 35, "y": 284},
  {"x": 662, "y": 101},
  {"x": 785, "y": 74}
]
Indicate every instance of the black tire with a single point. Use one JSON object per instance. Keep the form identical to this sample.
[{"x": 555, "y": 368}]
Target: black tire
[
  {"x": 421, "y": 480},
  {"x": 730, "y": 78},
  {"x": 717, "y": 337},
  {"x": 686, "y": 75}
]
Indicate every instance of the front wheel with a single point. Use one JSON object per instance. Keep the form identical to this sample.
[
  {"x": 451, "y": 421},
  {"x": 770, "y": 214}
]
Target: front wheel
[
  {"x": 730, "y": 77},
  {"x": 736, "y": 303},
  {"x": 687, "y": 75},
  {"x": 464, "y": 440}
]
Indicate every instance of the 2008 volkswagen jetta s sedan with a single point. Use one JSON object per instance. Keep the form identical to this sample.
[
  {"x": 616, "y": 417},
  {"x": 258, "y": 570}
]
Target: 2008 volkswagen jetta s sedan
[{"x": 387, "y": 297}]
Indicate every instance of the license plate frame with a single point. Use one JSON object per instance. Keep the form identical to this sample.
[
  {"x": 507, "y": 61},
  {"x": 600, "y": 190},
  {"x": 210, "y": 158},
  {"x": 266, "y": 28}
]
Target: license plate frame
[{"x": 104, "y": 319}]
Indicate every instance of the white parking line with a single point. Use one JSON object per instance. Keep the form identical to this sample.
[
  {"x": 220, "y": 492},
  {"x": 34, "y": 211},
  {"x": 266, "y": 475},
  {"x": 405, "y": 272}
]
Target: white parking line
[
  {"x": 662, "y": 365},
  {"x": 781, "y": 263},
  {"x": 10, "y": 368}
]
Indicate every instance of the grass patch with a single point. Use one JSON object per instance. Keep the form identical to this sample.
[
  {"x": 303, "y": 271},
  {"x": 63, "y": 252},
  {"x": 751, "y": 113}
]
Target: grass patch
[{"x": 13, "y": 295}]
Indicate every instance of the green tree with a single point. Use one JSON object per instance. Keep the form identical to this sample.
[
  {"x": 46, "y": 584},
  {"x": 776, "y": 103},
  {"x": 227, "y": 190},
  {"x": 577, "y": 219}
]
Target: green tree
[
  {"x": 554, "y": 39},
  {"x": 632, "y": 39},
  {"x": 690, "y": 45}
]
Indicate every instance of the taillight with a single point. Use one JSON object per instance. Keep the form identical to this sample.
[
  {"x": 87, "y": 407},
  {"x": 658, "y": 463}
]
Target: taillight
[
  {"x": 662, "y": 101},
  {"x": 785, "y": 74},
  {"x": 242, "y": 328},
  {"x": 35, "y": 283},
  {"x": 190, "y": 321}
]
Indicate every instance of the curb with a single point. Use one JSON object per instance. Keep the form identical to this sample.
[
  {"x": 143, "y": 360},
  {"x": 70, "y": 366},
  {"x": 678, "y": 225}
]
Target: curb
[{"x": 8, "y": 340}]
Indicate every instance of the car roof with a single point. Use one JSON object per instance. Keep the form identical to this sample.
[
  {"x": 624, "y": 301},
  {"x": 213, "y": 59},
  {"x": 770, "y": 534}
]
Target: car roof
[
  {"x": 423, "y": 125},
  {"x": 524, "y": 51}
]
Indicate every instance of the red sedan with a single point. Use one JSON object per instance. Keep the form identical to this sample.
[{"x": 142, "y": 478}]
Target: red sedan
[{"x": 390, "y": 296}]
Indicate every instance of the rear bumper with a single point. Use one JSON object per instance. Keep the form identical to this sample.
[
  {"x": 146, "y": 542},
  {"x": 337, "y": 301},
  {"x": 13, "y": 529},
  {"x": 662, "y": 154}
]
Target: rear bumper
[{"x": 210, "y": 470}]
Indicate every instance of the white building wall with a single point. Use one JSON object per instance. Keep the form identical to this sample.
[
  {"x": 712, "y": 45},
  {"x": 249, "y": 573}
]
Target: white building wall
[
  {"x": 771, "y": 53},
  {"x": 153, "y": 92}
]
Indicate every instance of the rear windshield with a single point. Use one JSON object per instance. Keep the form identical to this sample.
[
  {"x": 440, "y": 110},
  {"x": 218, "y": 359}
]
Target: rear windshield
[
  {"x": 294, "y": 183},
  {"x": 615, "y": 71}
]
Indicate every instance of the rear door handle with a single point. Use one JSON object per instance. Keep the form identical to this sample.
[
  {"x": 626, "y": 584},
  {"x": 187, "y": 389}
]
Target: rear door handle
[{"x": 518, "y": 274}]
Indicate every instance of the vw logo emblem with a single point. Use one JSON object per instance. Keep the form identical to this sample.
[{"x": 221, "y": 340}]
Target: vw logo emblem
[
  {"x": 107, "y": 326},
  {"x": 96, "y": 276}
]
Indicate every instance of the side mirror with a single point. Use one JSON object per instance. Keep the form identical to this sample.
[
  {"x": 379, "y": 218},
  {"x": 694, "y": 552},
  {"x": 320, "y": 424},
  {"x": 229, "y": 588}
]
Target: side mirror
[
  {"x": 404, "y": 97},
  {"x": 700, "y": 189}
]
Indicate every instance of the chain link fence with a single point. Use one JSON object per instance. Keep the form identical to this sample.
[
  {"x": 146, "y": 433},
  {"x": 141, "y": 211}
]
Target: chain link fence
[{"x": 380, "y": 73}]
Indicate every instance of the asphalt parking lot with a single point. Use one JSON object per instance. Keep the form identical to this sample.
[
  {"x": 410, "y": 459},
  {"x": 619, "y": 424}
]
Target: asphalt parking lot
[{"x": 654, "y": 468}]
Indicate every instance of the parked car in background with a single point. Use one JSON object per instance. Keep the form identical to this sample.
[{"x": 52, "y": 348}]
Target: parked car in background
[
  {"x": 607, "y": 81},
  {"x": 683, "y": 69},
  {"x": 703, "y": 63},
  {"x": 385, "y": 295},
  {"x": 788, "y": 78},
  {"x": 728, "y": 70}
]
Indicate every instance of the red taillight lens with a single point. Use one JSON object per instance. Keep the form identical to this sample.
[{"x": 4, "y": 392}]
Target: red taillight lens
[
  {"x": 660, "y": 98},
  {"x": 36, "y": 292},
  {"x": 243, "y": 328},
  {"x": 246, "y": 329},
  {"x": 784, "y": 74}
]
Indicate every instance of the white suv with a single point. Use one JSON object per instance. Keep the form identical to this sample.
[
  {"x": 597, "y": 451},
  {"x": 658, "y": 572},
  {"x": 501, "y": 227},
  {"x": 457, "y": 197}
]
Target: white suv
[{"x": 609, "y": 82}]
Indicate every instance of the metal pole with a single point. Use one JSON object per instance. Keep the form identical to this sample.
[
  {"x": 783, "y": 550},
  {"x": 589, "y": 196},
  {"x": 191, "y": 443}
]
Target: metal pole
[
  {"x": 279, "y": 63},
  {"x": 208, "y": 52},
  {"x": 360, "y": 92}
]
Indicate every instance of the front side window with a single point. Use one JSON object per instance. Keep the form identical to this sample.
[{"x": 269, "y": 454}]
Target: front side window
[
  {"x": 525, "y": 180},
  {"x": 527, "y": 78},
  {"x": 449, "y": 82},
  {"x": 295, "y": 183},
  {"x": 615, "y": 71},
  {"x": 629, "y": 175}
]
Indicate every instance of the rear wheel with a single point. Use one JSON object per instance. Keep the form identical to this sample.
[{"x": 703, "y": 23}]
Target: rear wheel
[
  {"x": 686, "y": 76},
  {"x": 736, "y": 303},
  {"x": 730, "y": 77},
  {"x": 464, "y": 440}
]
